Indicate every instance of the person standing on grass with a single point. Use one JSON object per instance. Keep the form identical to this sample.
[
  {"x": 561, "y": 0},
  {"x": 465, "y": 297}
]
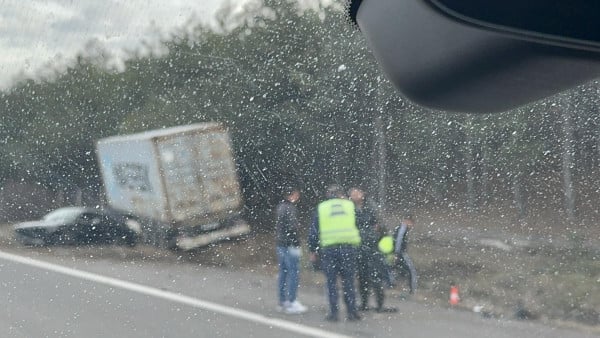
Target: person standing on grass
[
  {"x": 403, "y": 263},
  {"x": 288, "y": 252}
]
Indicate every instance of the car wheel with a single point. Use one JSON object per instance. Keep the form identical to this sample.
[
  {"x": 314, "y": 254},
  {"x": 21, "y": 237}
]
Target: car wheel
[{"x": 131, "y": 240}]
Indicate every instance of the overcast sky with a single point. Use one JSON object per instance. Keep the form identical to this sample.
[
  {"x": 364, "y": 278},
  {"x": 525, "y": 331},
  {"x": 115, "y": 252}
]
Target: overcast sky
[{"x": 36, "y": 32}]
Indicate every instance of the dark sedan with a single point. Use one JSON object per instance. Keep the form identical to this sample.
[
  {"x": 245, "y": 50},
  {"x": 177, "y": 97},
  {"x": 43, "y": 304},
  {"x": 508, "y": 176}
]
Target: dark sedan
[{"x": 79, "y": 225}]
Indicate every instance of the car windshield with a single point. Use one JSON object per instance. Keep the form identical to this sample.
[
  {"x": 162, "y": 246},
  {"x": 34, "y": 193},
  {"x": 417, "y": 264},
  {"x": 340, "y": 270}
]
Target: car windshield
[
  {"x": 256, "y": 174},
  {"x": 63, "y": 215}
]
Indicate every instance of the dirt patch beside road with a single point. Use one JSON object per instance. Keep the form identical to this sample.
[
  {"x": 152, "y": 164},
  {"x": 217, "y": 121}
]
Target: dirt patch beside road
[
  {"x": 523, "y": 271},
  {"x": 522, "y": 283}
]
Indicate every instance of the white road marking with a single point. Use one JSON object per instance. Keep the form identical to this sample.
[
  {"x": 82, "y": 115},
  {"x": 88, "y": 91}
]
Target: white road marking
[{"x": 174, "y": 297}]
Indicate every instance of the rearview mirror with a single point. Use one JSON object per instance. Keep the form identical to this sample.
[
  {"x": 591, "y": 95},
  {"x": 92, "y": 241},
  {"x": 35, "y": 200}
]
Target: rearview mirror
[{"x": 482, "y": 56}]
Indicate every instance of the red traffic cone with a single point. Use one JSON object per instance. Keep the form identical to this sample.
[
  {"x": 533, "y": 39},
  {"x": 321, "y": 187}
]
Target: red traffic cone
[{"x": 454, "y": 298}]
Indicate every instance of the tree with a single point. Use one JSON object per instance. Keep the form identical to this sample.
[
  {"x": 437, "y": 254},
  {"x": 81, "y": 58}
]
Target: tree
[{"x": 306, "y": 104}]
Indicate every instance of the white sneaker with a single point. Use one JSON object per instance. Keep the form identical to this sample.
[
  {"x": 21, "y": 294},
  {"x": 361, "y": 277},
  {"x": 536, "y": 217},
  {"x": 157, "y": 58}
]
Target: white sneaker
[
  {"x": 295, "y": 308},
  {"x": 283, "y": 307}
]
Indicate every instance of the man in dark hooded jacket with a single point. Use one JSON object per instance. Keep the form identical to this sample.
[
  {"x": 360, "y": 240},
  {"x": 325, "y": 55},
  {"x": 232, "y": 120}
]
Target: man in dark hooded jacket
[
  {"x": 288, "y": 252},
  {"x": 371, "y": 263}
]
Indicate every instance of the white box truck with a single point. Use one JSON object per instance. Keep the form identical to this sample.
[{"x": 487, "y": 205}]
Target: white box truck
[{"x": 182, "y": 178}]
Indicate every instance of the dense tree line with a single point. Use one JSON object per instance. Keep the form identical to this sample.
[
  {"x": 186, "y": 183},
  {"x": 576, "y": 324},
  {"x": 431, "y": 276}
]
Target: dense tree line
[{"x": 306, "y": 105}]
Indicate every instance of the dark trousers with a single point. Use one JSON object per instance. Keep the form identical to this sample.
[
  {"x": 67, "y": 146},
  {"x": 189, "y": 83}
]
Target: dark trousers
[
  {"x": 370, "y": 275},
  {"x": 340, "y": 260},
  {"x": 405, "y": 267}
]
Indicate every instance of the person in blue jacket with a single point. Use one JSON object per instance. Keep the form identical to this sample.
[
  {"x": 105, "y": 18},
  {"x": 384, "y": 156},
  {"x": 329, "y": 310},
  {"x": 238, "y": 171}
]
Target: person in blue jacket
[{"x": 403, "y": 263}]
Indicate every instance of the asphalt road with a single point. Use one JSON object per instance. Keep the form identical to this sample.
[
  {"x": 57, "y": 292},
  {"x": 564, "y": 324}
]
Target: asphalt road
[{"x": 69, "y": 296}]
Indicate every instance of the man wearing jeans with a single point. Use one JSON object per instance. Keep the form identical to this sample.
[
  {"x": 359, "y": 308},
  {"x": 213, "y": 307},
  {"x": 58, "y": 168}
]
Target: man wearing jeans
[{"x": 288, "y": 252}]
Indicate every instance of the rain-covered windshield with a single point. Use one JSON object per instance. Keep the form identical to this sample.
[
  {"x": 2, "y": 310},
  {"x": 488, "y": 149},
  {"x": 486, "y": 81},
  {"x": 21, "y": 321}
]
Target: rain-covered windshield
[{"x": 229, "y": 135}]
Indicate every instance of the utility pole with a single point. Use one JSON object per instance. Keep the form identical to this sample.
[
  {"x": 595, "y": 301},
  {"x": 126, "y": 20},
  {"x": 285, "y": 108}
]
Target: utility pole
[
  {"x": 568, "y": 151},
  {"x": 470, "y": 166},
  {"x": 381, "y": 163},
  {"x": 380, "y": 148}
]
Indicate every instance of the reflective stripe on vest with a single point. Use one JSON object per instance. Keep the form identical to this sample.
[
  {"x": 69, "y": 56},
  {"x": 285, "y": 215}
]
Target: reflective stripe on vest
[{"x": 337, "y": 223}]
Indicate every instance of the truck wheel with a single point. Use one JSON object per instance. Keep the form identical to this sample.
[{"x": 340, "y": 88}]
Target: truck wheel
[{"x": 171, "y": 240}]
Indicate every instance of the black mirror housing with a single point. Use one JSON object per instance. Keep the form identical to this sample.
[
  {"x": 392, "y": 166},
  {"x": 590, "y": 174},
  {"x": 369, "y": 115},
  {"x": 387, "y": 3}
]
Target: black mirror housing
[{"x": 442, "y": 61}]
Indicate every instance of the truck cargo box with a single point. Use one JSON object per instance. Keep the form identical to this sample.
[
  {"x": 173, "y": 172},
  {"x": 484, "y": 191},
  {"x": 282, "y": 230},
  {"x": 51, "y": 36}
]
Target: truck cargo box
[{"x": 183, "y": 177}]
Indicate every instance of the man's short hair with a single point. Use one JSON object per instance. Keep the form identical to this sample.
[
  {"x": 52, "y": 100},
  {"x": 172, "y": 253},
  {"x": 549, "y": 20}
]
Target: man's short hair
[
  {"x": 353, "y": 189},
  {"x": 408, "y": 215},
  {"x": 334, "y": 191},
  {"x": 289, "y": 190}
]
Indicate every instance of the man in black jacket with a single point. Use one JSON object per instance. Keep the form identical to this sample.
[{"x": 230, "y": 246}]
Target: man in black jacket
[
  {"x": 288, "y": 252},
  {"x": 371, "y": 263}
]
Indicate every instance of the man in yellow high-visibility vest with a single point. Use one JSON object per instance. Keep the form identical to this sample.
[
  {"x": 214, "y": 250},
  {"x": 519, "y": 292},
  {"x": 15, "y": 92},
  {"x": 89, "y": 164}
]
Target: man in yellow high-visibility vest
[{"x": 335, "y": 237}]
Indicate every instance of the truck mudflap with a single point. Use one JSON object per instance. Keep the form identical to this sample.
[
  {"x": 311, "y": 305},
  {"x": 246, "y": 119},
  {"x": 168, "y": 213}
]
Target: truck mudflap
[{"x": 239, "y": 228}]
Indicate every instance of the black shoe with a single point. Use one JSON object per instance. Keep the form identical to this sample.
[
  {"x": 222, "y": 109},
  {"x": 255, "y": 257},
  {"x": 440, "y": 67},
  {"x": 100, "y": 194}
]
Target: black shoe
[
  {"x": 352, "y": 317},
  {"x": 331, "y": 318},
  {"x": 364, "y": 307},
  {"x": 386, "y": 309}
]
